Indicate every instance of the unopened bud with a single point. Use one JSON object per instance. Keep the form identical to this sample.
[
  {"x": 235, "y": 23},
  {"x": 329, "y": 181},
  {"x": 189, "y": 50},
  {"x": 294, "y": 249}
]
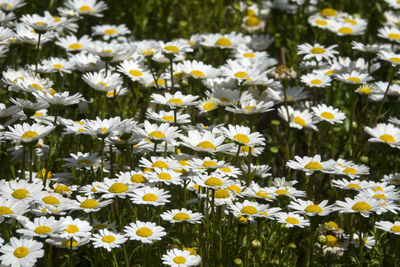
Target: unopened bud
[
  {"x": 238, "y": 262},
  {"x": 256, "y": 244},
  {"x": 322, "y": 239}
]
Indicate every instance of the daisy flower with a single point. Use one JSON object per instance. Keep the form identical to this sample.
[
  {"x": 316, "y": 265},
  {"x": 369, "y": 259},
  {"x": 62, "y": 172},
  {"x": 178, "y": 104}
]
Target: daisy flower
[
  {"x": 156, "y": 133},
  {"x": 59, "y": 99},
  {"x": 41, "y": 24},
  {"x": 292, "y": 219},
  {"x": 21, "y": 252},
  {"x": 251, "y": 107},
  {"x": 20, "y": 190},
  {"x": 41, "y": 227},
  {"x": 350, "y": 184},
  {"x": 309, "y": 208},
  {"x": 364, "y": 206},
  {"x": 102, "y": 128},
  {"x": 56, "y": 65},
  {"x": 27, "y": 133},
  {"x": 166, "y": 176},
  {"x": 310, "y": 164},
  {"x": 384, "y": 133},
  {"x": 180, "y": 258},
  {"x": 354, "y": 77},
  {"x": 107, "y": 239},
  {"x": 82, "y": 160},
  {"x": 347, "y": 29},
  {"x": 89, "y": 204},
  {"x": 393, "y": 178},
  {"x": 213, "y": 180},
  {"x": 316, "y": 80},
  {"x": 150, "y": 196},
  {"x": 71, "y": 43},
  {"x": 248, "y": 209},
  {"x": 168, "y": 116},
  {"x": 223, "y": 41},
  {"x": 68, "y": 243},
  {"x": 111, "y": 188},
  {"x": 205, "y": 142},
  {"x": 391, "y": 227},
  {"x": 242, "y": 136},
  {"x": 198, "y": 70},
  {"x": 317, "y": 51},
  {"x": 328, "y": 114},
  {"x": 87, "y": 7},
  {"x": 176, "y": 100},
  {"x": 390, "y": 33},
  {"x": 136, "y": 71},
  {"x": 145, "y": 232},
  {"x": 390, "y": 57},
  {"x": 224, "y": 96},
  {"x": 207, "y": 104},
  {"x": 136, "y": 177},
  {"x": 174, "y": 47},
  {"x": 102, "y": 81},
  {"x": 110, "y": 31},
  {"x": 75, "y": 228},
  {"x": 159, "y": 162},
  {"x": 287, "y": 191},
  {"x": 84, "y": 62},
  {"x": 298, "y": 119},
  {"x": 182, "y": 215},
  {"x": 351, "y": 170}
]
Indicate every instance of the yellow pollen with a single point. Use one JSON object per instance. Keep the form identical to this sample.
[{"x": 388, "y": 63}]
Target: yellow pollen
[
  {"x": 329, "y": 12},
  {"x": 249, "y": 108},
  {"x": 37, "y": 86},
  {"x": 106, "y": 51},
  {"x": 85, "y": 8},
  {"x": 181, "y": 216},
  {"x": 42, "y": 173},
  {"x": 168, "y": 118},
  {"x": 184, "y": 162},
  {"x": 102, "y": 83},
  {"x": 317, "y": 50},
  {"x": 110, "y": 31},
  {"x": 83, "y": 161},
  {"x": 313, "y": 209},
  {"x": 225, "y": 169},
  {"x": 176, "y": 101},
  {"x": 350, "y": 170},
  {"x": 197, "y": 73},
  {"x": 252, "y": 21},
  {"x": 327, "y": 115},
  {"x": 150, "y": 197},
  {"x": 313, "y": 165},
  {"x": 351, "y": 21},
  {"x": 61, "y": 189},
  {"x": 164, "y": 176},
  {"x": 332, "y": 225},
  {"x": 224, "y": 99},
  {"x": 38, "y": 114},
  {"x": 299, "y": 121},
  {"x": 144, "y": 232},
  {"x": 41, "y": 230},
  {"x": 89, "y": 204},
  {"x": 51, "y": 200},
  {"x": 67, "y": 243},
  {"x": 387, "y": 138},
  {"x": 380, "y": 196},
  {"x": 118, "y": 188},
  {"x": 249, "y": 210},
  {"x": 213, "y": 181},
  {"x": 108, "y": 239},
  {"x": 316, "y": 82},
  {"x": 331, "y": 241},
  {"x": 136, "y": 73},
  {"x": 361, "y": 206},
  {"x": 242, "y": 138},
  {"x": 160, "y": 164},
  {"x": 282, "y": 192},
  {"x": 209, "y": 106},
  {"x": 249, "y": 55},
  {"x": 160, "y": 82},
  {"x": 241, "y": 74},
  {"x": 292, "y": 220},
  {"x": 378, "y": 188},
  {"x": 209, "y": 163},
  {"x": 20, "y": 193},
  {"x": 138, "y": 179},
  {"x": 394, "y": 36},
  {"x": 5, "y": 210},
  {"x": 75, "y": 46},
  {"x": 353, "y": 186},
  {"x": 346, "y": 30},
  {"x": 104, "y": 129},
  {"x": 234, "y": 188},
  {"x": 157, "y": 134},
  {"x": 223, "y": 42},
  {"x": 395, "y": 228},
  {"x": 263, "y": 194},
  {"x": 21, "y": 252},
  {"x": 221, "y": 193},
  {"x": 40, "y": 23},
  {"x": 365, "y": 90},
  {"x": 71, "y": 229},
  {"x": 206, "y": 145},
  {"x": 29, "y": 134},
  {"x": 179, "y": 260},
  {"x": 171, "y": 48},
  {"x": 58, "y": 66},
  {"x": 321, "y": 22}
]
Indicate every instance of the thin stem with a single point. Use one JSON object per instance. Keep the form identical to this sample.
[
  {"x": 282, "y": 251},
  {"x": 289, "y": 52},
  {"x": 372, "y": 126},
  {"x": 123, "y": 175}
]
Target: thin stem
[
  {"x": 37, "y": 53},
  {"x": 31, "y": 163},
  {"x": 248, "y": 244}
]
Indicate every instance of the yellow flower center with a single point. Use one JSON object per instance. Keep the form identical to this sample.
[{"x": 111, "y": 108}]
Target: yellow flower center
[
  {"x": 249, "y": 210},
  {"x": 42, "y": 174},
  {"x": 361, "y": 206},
  {"x": 160, "y": 164},
  {"x": 327, "y": 115},
  {"x": 345, "y": 30},
  {"x": 71, "y": 229},
  {"x": 332, "y": 225},
  {"x": 313, "y": 165},
  {"x": 299, "y": 121},
  {"x": 51, "y": 200},
  {"x": 75, "y": 46},
  {"x": 29, "y": 134},
  {"x": 249, "y": 55},
  {"x": 234, "y": 188},
  {"x": 317, "y": 50},
  {"x": 144, "y": 232},
  {"x": 221, "y": 193},
  {"x": 378, "y": 188},
  {"x": 20, "y": 193},
  {"x": 61, "y": 189},
  {"x": 224, "y": 99},
  {"x": 89, "y": 204},
  {"x": 181, "y": 216},
  {"x": 292, "y": 220},
  {"x": 249, "y": 108},
  {"x": 387, "y": 138},
  {"x": 252, "y": 21},
  {"x": 365, "y": 90},
  {"x": 225, "y": 169},
  {"x": 380, "y": 196},
  {"x": 321, "y": 22},
  {"x": 171, "y": 48},
  {"x": 354, "y": 186},
  {"x": 102, "y": 83},
  {"x": 213, "y": 181},
  {"x": 5, "y": 210},
  {"x": 206, "y": 145},
  {"x": 313, "y": 209},
  {"x": 331, "y": 241},
  {"x": 350, "y": 170},
  {"x": 118, "y": 188},
  {"x": 394, "y": 36},
  {"x": 110, "y": 31},
  {"x": 329, "y": 12},
  {"x": 41, "y": 230},
  {"x": 223, "y": 42},
  {"x": 176, "y": 101},
  {"x": 209, "y": 106},
  {"x": 85, "y": 8},
  {"x": 241, "y": 74},
  {"x": 395, "y": 228},
  {"x": 108, "y": 239},
  {"x": 21, "y": 252},
  {"x": 351, "y": 21},
  {"x": 179, "y": 260},
  {"x": 106, "y": 50},
  {"x": 282, "y": 192},
  {"x": 209, "y": 163},
  {"x": 135, "y": 73},
  {"x": 316, "y": 82},
  {"x": 157, "y": 134},
  {"x": 264, "y": 194},
  {"x": 164, "y": 176},
  {"x": 67, "y": 243},
  {"x": 149, "y": 197},
  {"x": 138, "y": 178},
  {"x": 37, "y": 86},
  {"x": 168, "y": 118},
  {"x": 242, "y": 138},
  {"x": 160, "y": 82},
  {"x": 58, "y": 66},
  {"x": 38, "y": 114},
  {"x": 197, "y": 73}
]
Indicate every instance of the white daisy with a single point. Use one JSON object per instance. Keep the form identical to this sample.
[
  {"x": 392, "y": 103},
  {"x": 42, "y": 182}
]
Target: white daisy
[
  {"x": 107, "y": 239},
  {"x": 145, "y": 232}
]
